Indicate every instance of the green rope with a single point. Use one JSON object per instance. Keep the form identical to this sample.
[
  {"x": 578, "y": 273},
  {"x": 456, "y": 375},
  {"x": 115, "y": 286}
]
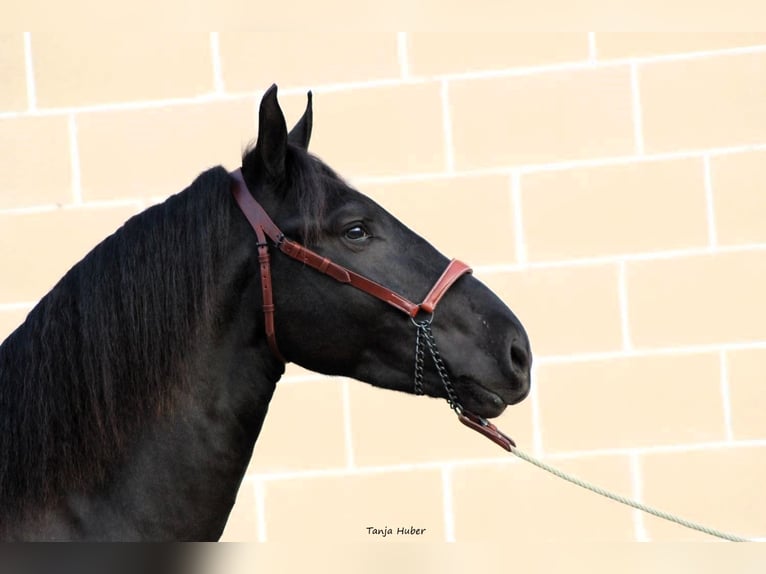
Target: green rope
[{"x": 627, "y": 501}]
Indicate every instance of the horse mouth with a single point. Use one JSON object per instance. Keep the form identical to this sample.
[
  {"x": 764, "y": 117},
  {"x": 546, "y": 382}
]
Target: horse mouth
[{"x": 485, "y": 402}]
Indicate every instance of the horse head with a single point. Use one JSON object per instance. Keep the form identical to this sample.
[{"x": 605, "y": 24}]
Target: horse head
[{"x": 335, "y": 329}]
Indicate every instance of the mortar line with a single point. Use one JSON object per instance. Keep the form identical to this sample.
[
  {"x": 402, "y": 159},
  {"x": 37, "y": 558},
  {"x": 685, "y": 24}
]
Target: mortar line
[
  {"x": 504, "y": 458},
  {"x": 647, "y": 352},
  {"x": 726, "y": 396},
  {"x": 658, "y": 449},
  {"x": 638, "y": 121},
  {"x": 259, "y": 489},
  {"x": 627, "y": 257},
  {"x": 30, "y": 73},
  {"x": 74, "y": 162},
  {"x": 447, "y": 504},
  {"x": 599, "y": 64},
  {"x": 104, "y": 204},
  {"x": 542, "y": 167},
  {"x": 326, "y": 88},
  {"x": 501, "y": 459},
  {"x": 563, "y": 165},
  {"x": 42, "y": 208},
  {"x": 449, "y": 150},
  {"x": 86, "y": 204},
  {"x": 518, "y": 219},
  {"x": 22, "y": 306},
  {"x": 131, "y": 105},
  {"x": 347, "y": 428},
  {"x": 402, "y": 52},
  {"x": 592, "y": 53},
  {"x": 622, "y": 280},
  {"x": 637, "y": 493},
  {"x": 396, "y": 81},
  {"x": 215, "y": 51},
  {"x": 537, "y": 427},
  {"x": 709, "y": 201}
]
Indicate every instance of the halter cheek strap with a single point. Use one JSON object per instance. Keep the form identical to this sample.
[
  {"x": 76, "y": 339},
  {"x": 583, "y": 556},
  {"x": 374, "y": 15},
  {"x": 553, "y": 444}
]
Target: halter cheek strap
[
  {"x": 263, "y": 227},
  {"x": 266, "y": 229}
]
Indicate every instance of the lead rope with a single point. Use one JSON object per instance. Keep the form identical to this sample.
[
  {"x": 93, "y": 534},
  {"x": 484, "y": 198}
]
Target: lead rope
[
  {"x": 626, "y": 501},
  {"x": 424, "y": 334}
]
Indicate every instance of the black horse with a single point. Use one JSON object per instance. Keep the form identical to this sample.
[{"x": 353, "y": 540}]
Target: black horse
[{"x": 133, "y": 394}]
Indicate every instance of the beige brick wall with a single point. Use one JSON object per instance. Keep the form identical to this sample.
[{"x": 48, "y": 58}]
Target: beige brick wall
[{"x": 615, "y": 186}]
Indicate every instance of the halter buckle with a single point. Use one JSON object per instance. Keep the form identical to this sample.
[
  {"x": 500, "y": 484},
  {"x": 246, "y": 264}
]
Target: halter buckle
[{"x": 483, "y": 426}]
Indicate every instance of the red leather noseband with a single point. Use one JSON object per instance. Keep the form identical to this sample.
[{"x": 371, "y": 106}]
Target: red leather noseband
[{"x": 266, "y": 229}]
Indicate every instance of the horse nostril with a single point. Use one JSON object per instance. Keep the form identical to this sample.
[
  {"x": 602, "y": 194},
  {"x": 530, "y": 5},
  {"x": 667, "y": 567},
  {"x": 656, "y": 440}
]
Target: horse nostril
[{"x": 520, "y": 356}]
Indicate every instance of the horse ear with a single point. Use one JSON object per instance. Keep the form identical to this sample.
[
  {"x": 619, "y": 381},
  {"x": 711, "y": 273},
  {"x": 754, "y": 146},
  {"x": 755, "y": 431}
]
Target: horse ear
[
  {"x": 301, "y": 133},
  {"x": 271, "y": 146}
]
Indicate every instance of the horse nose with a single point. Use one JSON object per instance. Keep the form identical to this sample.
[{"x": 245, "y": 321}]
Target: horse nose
[{"x": 521, "y": 358}]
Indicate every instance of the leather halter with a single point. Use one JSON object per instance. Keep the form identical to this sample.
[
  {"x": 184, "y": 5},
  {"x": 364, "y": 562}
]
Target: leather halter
[{"x": 266, "y": 229}]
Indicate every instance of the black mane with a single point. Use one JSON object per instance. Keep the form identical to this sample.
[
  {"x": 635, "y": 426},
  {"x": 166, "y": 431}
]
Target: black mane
[
  {"x": 102, "y": 352},
  {"x": 104, "y": 348}
]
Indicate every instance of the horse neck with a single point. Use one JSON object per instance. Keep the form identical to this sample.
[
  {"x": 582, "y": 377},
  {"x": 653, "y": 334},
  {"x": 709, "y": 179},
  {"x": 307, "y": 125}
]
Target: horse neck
[
  {"x": 178, "y": 476},
  {"x": 199, "y": 454},
  {"x": 188, "y": 465}
]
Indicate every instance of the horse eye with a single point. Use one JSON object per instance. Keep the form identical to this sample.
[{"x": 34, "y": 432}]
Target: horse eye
[{"x": 356, "y": 233}]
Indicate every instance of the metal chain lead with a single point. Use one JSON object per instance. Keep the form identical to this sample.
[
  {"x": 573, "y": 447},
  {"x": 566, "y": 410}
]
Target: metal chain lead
[
  {"x": 419, "y": 360},
  {"x": 424, "y": 333}
]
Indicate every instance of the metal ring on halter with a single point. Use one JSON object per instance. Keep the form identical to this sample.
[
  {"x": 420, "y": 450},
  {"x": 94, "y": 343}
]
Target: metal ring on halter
[{"x": 422, "y": 322}]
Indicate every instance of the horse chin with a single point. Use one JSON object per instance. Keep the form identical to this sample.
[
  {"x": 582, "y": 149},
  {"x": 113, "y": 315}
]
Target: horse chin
[{"x": 483, "y": 402}]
